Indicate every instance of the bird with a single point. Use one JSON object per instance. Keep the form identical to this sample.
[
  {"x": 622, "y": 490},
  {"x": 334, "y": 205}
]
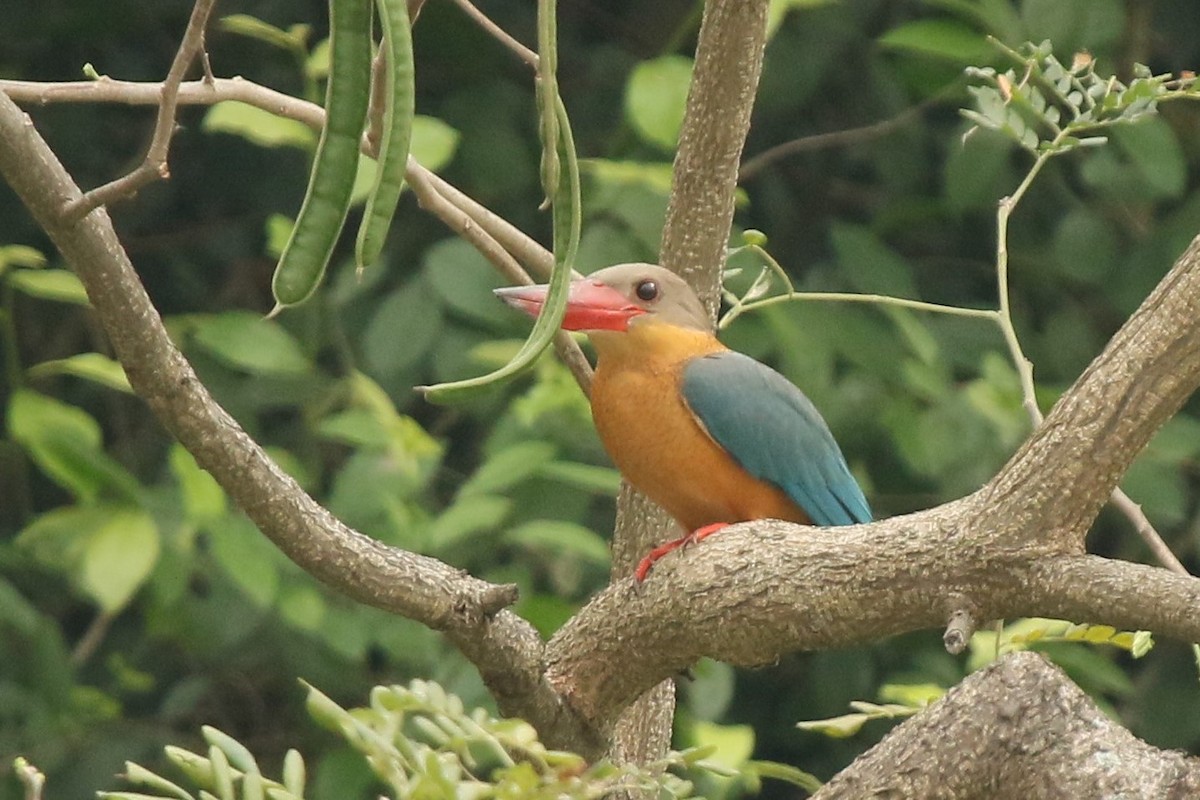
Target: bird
[{"x": 710, "y": 434}]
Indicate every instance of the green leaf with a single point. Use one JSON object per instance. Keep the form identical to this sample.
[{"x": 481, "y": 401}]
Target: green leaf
[
  {"x": 238, "y": 754},
  {"x": 941, "y": 38},
  {"x": 710, "y": 691},
  {"x": 65, "y": 442},
  {"x": 778, "y": 9},
  {"x": 467, "y": 516},
  {"x": 785, "y": 772},
  {"x": 403, "y": 329},
  {"x": 462, "y": 281},
  {"x": 94, "y": 367},
  {"x": 841, "y": 727},
  {"x": 107, "y": 551},
  {"x": 247, "y": 557},
  {"x": 588, "y": 477},
  {"x": 19, "y": 255},
  {"x": 433, "y": 142},
  {"x": 17, "y": 613},
  {"x": 59, "y": 285},
  {"x": 656, "y": 96},
  {"x": 258, "y": 126},
  {"x": 203, "y": 498},
  {"x": 245, "y": 341},
  {"x": 1076, "y": 24},
  {"x": 916, "y": 695},
  {"x": 732, "y": 744},
  {"x": 869, "y": 264},
  {"x": 654, "y": 175},
  {"x": 56, "y": 538},
  {"x": 1154, "y": 148},
  {"x": 1086, "y": 245},
  {"x": 567, "y": 538},
  {"x": 278, "y": 229},
  {"x": 302, "y": 606},
  {"x": 118, "y": 557},
  {"x": 508, "y": 467},
  {"x": 140, "y": 776},
  {"x": 293, "y": 39}
]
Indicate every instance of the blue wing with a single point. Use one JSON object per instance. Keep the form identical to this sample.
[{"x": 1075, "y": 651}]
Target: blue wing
[{"x": 775, "y": 433}]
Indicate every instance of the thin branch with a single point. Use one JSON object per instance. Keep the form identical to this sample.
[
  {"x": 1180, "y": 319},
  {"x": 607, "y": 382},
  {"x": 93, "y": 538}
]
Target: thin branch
[
  {"x": 1133, "y": 511},
  {"x": 91, "y": 639},
  {"x": 154, "y": 165},
  {"x": 499, "y": 231},
  {"x": 1121, "y": 501},
  {"x": 498, "y": 33},
  {"x": 506, "y": 649},
  {"x": 855, "y": 297},
  {"x": 1001, "y": 316},
  {"x": 377, "y": 107},
  {"x": 751, "y": 167}
]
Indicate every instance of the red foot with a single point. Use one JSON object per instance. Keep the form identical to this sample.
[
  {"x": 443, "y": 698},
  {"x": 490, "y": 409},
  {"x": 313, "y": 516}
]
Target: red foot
[{"x": 643, "y": 567}]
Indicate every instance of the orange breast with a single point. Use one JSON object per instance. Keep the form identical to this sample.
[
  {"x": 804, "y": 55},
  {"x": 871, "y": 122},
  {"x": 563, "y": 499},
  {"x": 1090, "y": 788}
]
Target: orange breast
[{"x": 658, "y": 444}]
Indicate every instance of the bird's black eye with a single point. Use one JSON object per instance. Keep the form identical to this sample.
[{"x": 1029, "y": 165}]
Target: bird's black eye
[{"x": 646, "y": 290}]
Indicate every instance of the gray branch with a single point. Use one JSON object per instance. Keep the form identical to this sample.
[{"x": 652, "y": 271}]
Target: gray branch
[
  {"x": 1017, "y": 730},
  {"x": 505, "y": 648},
  {"x": 754, "y": 592}
]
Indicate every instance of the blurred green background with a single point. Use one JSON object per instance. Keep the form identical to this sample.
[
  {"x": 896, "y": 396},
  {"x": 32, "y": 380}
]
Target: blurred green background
[{"x": 136, "y": 604}]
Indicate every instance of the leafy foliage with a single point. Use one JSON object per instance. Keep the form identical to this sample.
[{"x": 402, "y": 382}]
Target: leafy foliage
[
  {"x": 112, "y": 644},
  {"x": 420, "y": 742}
]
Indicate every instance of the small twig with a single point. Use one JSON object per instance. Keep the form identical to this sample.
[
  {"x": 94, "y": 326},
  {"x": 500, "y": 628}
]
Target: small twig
[
  {"x": 1125, "y": 504},
  {"x": 91, "y": 638},
  {"x": 959, "y": 630},
  {"x": 497, "y": 598},
  {"x": 154, "y": 165},
  {"x": 756, "y": 164},
  {"x": 507, "y": 236},
  {"x": 854, "y": 297},
  {"x": 501, "y": 35},
  {"x": 1024, "y": 366}
]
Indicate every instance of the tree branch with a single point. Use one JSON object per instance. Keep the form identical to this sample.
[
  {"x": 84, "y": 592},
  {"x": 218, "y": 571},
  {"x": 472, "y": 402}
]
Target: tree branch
[
  {"x": 1012, "y": 549},
  {"x": 729, "y": 55},
  {"x": 494, "y": 236},
  {"x": 756, "y": 591},
  {"x": 154, "y": 165},
  {"x": 505, "y": 648},
  {"x": 1017, "y": 729}
]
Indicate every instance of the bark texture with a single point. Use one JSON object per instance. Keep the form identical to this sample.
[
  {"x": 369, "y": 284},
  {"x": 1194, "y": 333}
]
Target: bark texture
[
  {"x": 756, "y": 591},
  {"x": 1017, "y": 730},
  {"x": 695, "y": 237}
]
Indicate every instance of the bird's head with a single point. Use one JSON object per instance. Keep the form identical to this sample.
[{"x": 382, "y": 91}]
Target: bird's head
[{"x": 615, "y": 298}]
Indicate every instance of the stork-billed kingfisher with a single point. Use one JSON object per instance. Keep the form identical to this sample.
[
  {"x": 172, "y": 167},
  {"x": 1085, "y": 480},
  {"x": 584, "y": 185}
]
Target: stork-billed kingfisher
[{"x": 710, "y": 434}]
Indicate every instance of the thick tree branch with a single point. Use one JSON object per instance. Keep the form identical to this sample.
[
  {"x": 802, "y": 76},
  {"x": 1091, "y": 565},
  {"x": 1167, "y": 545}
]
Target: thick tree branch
[
  {"x": 1013, "y": 549},
  {"x": 746, "y": 596},
  {"x": 505, "y": 648},
  {"x": 761, "y": 590},
  {"x": 1019, "y": 730},
  {"x": 729, "y": 55},
  {"x": 1140, "y": 380}
]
